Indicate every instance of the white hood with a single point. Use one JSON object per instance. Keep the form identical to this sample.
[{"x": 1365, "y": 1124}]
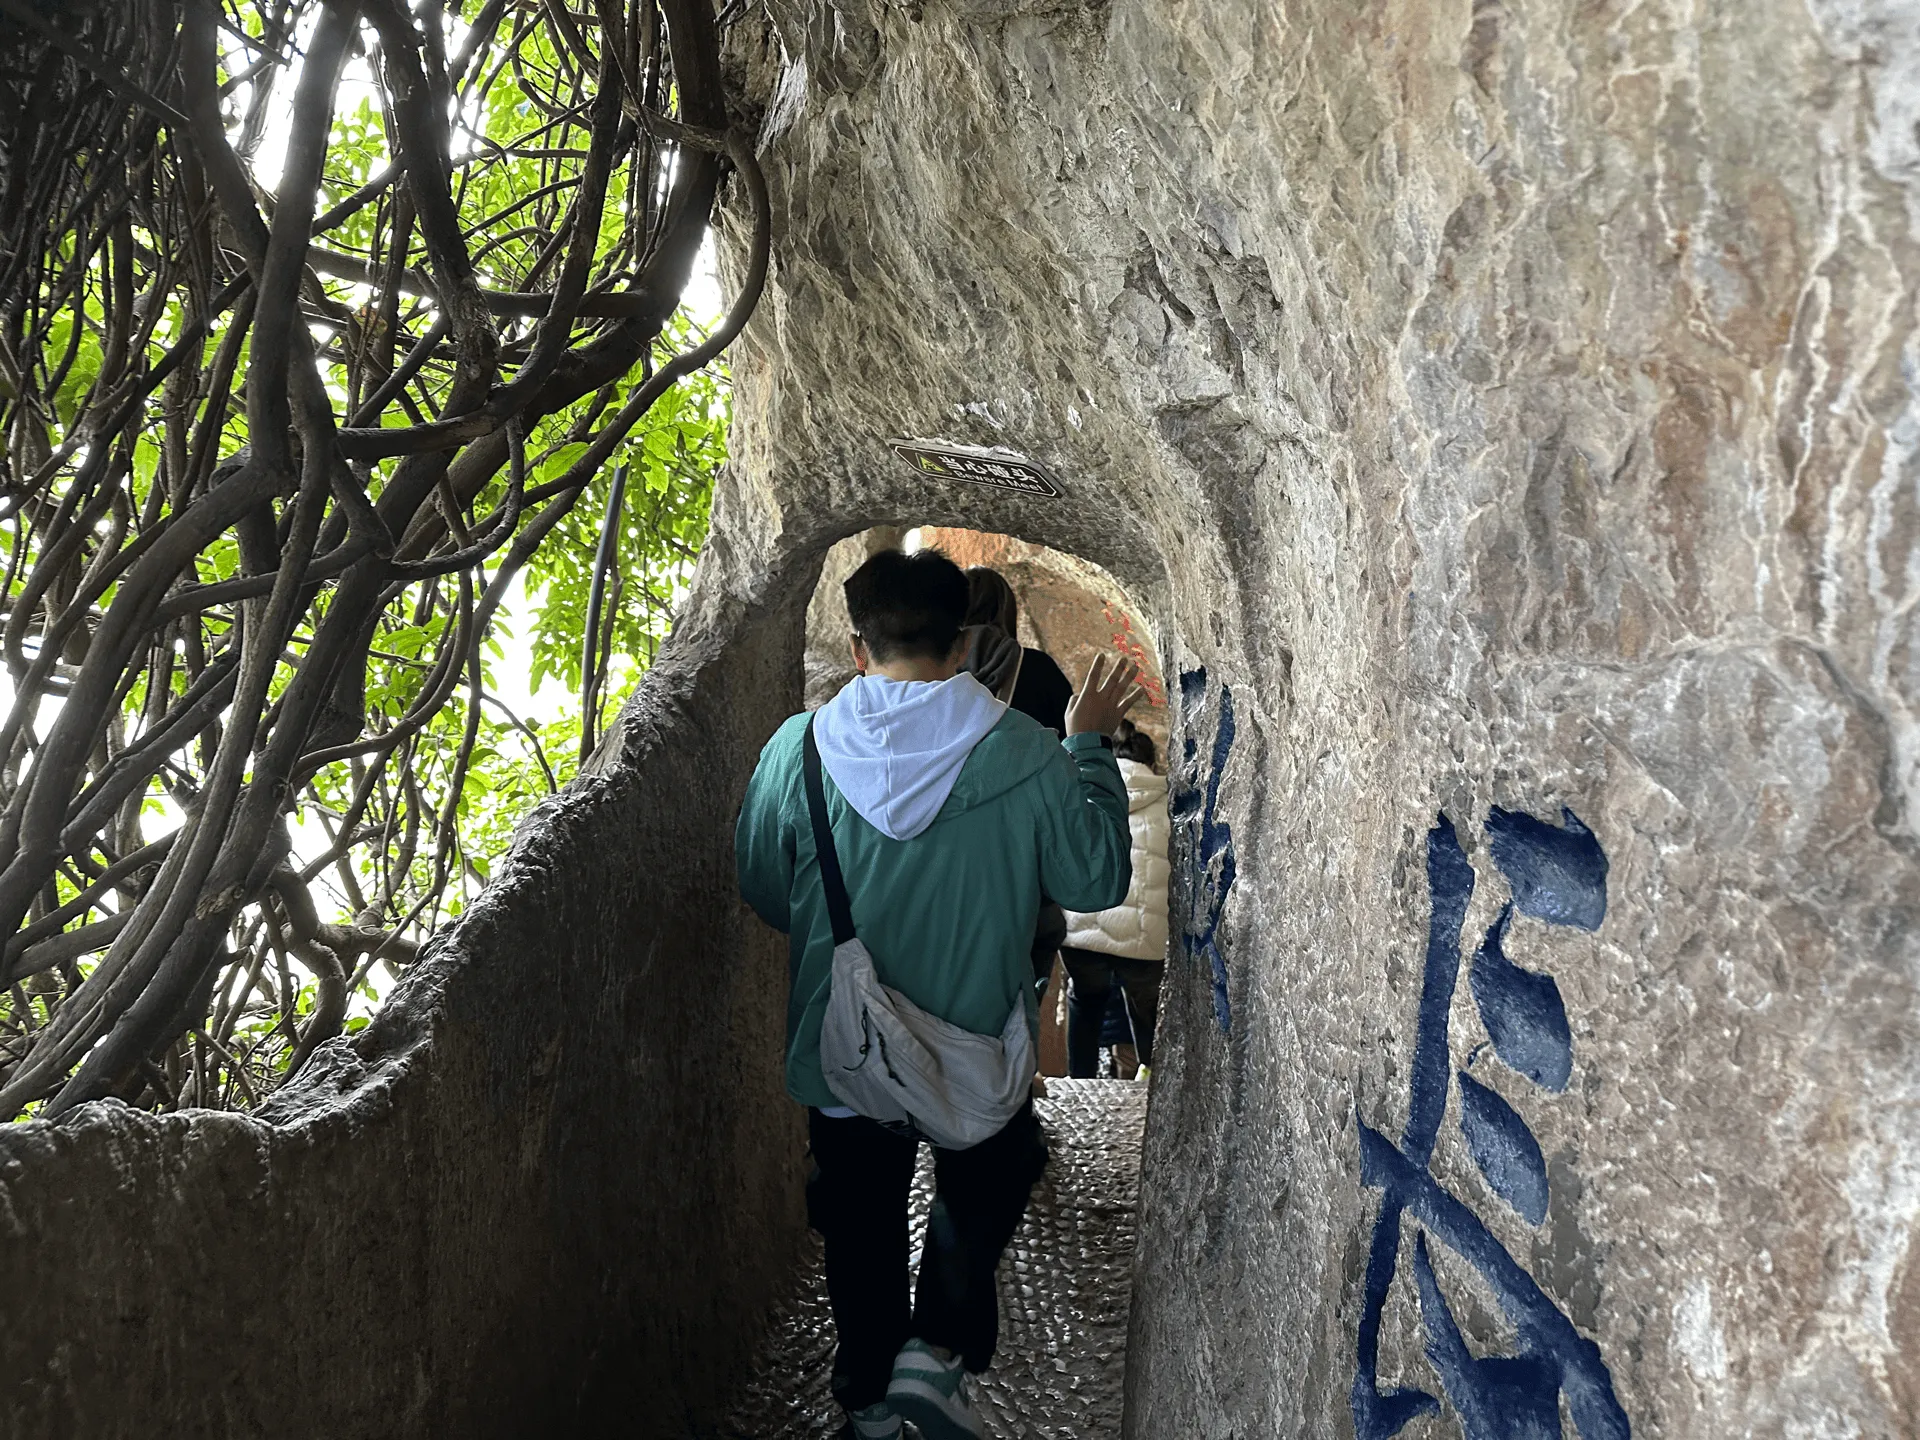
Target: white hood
[{"x": 895, "y": 747}]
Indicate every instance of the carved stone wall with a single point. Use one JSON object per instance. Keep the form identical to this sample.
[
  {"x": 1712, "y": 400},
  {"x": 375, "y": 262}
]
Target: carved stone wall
[
  {"x": 536, "y": 1196},
  {"x": 1502, "y": 405}
]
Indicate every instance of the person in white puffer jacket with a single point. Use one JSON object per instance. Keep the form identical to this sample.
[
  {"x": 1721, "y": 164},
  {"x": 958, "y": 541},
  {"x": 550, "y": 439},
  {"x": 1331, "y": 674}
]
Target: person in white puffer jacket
[{"x": 1128, "y": 943}]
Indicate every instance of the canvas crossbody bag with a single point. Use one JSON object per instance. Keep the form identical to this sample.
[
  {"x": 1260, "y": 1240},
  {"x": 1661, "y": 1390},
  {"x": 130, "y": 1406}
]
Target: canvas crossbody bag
[{"x": 888, "y": 1059}]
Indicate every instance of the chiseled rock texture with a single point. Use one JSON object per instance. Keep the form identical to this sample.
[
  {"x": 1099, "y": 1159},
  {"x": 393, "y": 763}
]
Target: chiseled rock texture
[{"x": 1509, "y": 404}]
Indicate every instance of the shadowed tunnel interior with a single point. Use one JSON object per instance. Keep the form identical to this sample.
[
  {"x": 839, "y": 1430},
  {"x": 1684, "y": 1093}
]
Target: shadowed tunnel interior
[{"x": 1502, "y": 417}]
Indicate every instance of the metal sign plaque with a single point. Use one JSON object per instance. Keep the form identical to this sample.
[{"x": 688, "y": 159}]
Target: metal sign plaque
[{"x": 1001, "y": 469}]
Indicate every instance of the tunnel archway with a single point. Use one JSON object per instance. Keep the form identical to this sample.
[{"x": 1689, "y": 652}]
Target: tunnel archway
[
  {"x": 1066, "y": 1281},
  {"x": 1068, "y": 606}
]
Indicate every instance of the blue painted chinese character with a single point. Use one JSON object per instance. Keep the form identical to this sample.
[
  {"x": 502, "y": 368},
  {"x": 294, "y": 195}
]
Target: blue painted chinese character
[
  {"x": 1211, "y": 866},
  {"x": 1559, "y": 875}
]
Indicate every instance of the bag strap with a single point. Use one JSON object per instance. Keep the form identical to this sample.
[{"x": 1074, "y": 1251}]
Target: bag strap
[{"x": 839, "y": 911}]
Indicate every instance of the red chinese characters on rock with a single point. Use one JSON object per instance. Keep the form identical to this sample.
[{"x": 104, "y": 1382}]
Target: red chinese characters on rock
[{"x": 1128, "y": 644}]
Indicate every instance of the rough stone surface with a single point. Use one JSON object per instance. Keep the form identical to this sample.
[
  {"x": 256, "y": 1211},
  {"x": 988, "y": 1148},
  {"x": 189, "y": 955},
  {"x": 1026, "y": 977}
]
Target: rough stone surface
[
  {"x": 1064, "y": 1290},
  {"x": 1509, "y": 403}
]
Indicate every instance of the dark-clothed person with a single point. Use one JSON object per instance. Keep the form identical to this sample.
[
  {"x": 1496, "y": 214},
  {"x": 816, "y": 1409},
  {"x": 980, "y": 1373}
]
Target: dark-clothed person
[
  {"x": 1125, "y": 945},
  {"x": 1042, "y": 689}
]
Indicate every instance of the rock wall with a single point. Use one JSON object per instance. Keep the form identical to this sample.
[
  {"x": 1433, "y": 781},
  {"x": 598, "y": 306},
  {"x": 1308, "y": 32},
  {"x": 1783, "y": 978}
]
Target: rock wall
[
  {"x": 535, "y": 1197},
  {"x": 1496, "y": 405}
]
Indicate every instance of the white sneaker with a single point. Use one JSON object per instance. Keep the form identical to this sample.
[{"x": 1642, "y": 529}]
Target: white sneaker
[
  {"x": 932, "y": 1393},
  {"x": 876, "y": 1422}
]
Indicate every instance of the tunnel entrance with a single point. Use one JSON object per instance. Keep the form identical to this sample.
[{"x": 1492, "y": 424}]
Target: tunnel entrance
[{"x": 1069, "y": 607}]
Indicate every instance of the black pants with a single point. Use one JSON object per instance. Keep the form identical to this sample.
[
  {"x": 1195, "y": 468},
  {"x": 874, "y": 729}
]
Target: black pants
[
  {"x": 857, "y": 1199},
  {"x": 1093, "y": 976},
  {"x": 1049, "y": 933}
]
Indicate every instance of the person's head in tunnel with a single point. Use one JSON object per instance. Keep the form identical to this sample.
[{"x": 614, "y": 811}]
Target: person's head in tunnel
[
  {"x": 907, "y": 613},
  {"x": 991, "y": 601},
  {"x": 1031, "y": 679},
  {"x": 1132, "y": 743}
]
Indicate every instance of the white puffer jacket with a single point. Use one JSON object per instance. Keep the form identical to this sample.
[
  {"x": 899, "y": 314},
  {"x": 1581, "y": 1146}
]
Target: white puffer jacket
[{"x": 1137, "y": 926}]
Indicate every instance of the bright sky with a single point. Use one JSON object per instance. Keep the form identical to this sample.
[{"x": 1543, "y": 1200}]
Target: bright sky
[{"x": 702, "y": 300}]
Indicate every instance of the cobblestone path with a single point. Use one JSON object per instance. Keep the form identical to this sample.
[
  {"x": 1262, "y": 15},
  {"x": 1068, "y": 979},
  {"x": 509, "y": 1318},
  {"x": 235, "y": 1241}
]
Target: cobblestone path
[{"x": 1064, "y": 1289}]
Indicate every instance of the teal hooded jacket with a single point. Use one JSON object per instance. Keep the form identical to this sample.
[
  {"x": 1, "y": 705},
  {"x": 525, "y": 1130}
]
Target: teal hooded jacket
[{"x": 948, "y": 914}]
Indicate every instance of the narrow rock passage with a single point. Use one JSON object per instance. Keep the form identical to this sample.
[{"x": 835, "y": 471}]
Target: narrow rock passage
[{"x": 1064, "y": 1288}]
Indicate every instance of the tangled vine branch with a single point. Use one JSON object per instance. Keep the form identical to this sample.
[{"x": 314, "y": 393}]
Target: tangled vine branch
[{"x": 273, "y": 448}]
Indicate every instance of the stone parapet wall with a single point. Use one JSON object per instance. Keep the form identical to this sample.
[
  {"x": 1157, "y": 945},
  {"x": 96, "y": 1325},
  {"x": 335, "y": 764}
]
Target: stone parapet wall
[{"x": 544, "y": 1193}]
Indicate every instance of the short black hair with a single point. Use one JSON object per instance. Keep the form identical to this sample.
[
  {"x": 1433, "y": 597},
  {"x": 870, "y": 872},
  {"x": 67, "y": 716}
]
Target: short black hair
[
  {"x": 991, "y": 601},
  {"x": 907, "y": 605},
  {"x": 1133, "y": 744}
]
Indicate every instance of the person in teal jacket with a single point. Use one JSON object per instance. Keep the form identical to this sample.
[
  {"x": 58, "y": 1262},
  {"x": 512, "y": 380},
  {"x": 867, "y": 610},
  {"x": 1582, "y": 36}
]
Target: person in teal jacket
[{"x": 951, "y": 815}]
